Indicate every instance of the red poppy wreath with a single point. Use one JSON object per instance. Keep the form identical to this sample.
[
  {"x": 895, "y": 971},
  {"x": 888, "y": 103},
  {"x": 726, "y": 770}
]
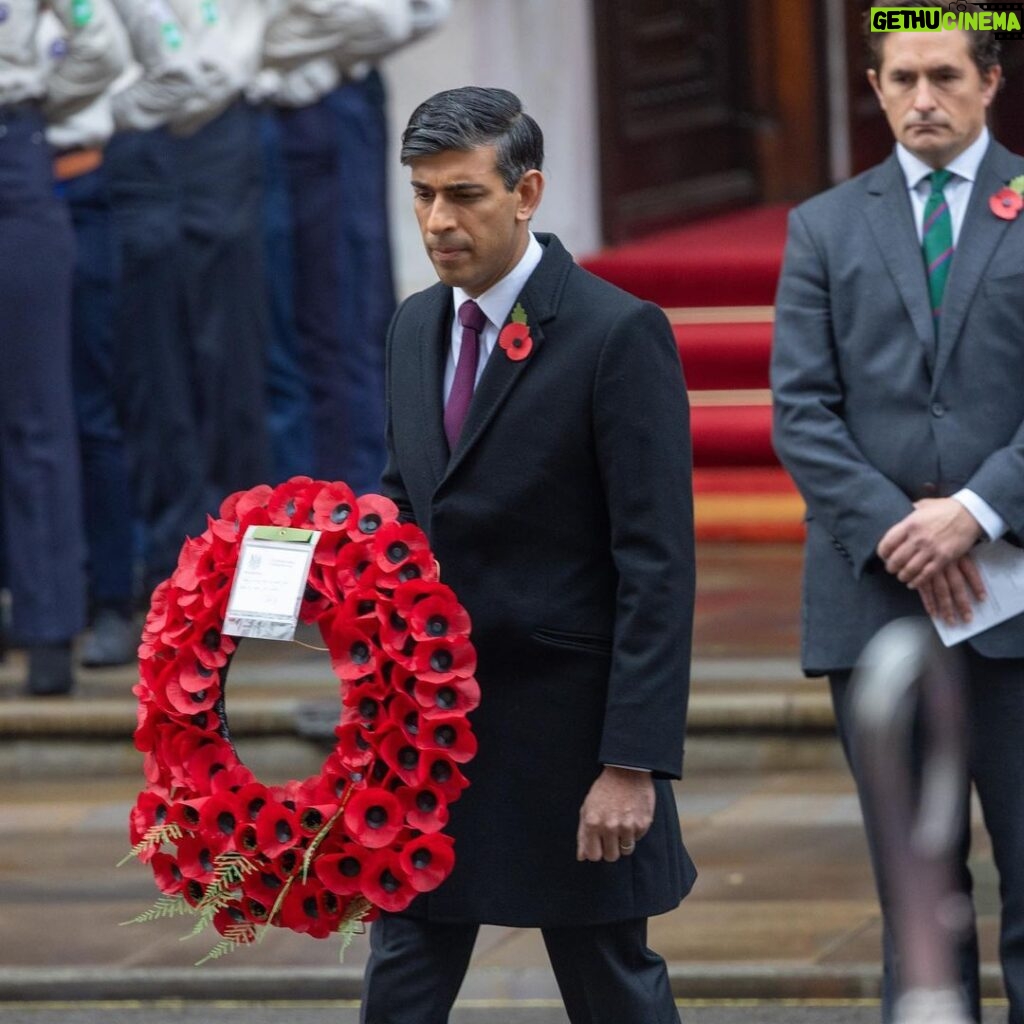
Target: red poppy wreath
[{"x": 323, "y": 855}]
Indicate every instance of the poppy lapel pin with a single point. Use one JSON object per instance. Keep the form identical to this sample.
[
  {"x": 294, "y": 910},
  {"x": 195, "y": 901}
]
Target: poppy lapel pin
[
  {"x": 1008, "y": 201},
  {"x": 515, "y": 336}
]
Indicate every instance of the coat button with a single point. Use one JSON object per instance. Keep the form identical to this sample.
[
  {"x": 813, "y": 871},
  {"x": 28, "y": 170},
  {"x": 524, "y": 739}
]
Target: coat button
[{"x": 938, "y": 409}]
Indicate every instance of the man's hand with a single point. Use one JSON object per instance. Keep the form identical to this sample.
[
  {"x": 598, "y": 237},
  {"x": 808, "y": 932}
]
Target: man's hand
[
  {"x": 951, "y": 593},
  {"x": 937, "y": 533},
  {"x": 616, "y": 814}
]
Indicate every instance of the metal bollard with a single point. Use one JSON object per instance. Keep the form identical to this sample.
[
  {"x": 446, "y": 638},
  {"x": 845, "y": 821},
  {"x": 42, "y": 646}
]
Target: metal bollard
[{"x": 904, "y": 676}]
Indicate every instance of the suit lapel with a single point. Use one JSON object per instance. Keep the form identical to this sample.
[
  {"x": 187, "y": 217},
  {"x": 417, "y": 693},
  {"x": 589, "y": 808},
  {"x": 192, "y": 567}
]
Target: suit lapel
[
  {"x": 540, "y": 299},
  {"x": 432, "y": 346},
  {"x": 980, "y": 234},
  {"x": 892, "y": 221}
]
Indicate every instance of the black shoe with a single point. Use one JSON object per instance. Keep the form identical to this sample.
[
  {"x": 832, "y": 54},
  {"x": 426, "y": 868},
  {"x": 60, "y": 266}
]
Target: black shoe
[
  {"x": 114, "y": 640},
  {"x": 49, "y": 671}
]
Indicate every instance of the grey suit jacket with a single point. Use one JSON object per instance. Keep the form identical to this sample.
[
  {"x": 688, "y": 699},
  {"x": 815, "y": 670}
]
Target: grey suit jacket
[{"x": 873, "y": 412}]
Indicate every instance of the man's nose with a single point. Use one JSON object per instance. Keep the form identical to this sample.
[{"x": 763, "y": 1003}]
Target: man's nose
[
  {"x": 924, "y": 98},
  {"x": 440, "y": 216}
]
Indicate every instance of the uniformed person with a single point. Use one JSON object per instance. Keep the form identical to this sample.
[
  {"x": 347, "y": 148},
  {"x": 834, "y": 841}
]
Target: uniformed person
[
  {"x": 39, "y": 464},
  {"x": 320, "y": 69},
  {"x": 158, "y": 78},
  {"x": 155, "y": 380},
  {"x": 219, "y": 156}
]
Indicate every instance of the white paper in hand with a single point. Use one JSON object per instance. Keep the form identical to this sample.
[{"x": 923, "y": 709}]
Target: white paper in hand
[{"x": 1001, "y": 566}]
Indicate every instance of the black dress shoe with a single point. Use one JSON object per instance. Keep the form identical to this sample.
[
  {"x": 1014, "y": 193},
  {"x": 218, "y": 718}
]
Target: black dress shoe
[
  {"x": 114, "y": 640},
  {"x": 49, "y": 671}
]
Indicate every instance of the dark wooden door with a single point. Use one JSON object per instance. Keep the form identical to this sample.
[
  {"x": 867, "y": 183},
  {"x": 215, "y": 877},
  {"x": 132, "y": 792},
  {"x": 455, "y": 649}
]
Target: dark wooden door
[{"x": 677, "y": 132}]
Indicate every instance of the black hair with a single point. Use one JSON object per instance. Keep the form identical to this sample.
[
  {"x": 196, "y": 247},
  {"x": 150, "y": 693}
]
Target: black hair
[
  {"x": 984, "y": 47},
  {"x": 470, "y": 117}
]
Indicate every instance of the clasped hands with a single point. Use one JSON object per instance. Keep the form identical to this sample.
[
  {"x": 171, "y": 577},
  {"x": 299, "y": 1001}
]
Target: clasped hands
[
  {"x": 616, "y": 814},
  {"x": 928, "y": 551}
]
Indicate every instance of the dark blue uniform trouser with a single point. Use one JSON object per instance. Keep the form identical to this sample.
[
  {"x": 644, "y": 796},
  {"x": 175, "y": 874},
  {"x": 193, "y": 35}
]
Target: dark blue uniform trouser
[
  {"x": 105, "y": 483},
  {"x": 156, "y": 391},
  {"x": 368, "y": 289},
  {"x": 193, "y": 322},
  {"x": 226, "y": 312},
  {"x": 39, "y": 460},
  {"x": 336, "y": 160},
  {"x": 289, "y": 413}
]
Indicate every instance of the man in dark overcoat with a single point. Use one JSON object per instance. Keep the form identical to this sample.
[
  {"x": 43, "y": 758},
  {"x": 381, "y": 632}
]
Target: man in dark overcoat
[{"x": 538, "y": 432}]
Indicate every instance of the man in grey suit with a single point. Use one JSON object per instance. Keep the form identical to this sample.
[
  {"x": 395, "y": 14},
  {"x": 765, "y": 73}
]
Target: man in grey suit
[{"x": 897, "y": 373}]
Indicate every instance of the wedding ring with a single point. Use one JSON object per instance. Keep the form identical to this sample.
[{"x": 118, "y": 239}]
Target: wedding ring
[{"x": 627, "y": 847}]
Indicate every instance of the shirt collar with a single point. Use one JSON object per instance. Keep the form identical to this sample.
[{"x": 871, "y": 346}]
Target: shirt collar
[
  {"x": 498, "y": 300},
  {"x": 964, "y": 166}
]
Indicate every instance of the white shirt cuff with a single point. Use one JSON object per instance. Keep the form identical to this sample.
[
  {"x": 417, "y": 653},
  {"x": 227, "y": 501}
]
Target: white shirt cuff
[
  {"x": 629, "y": 768},
  {"x": 988, "y": 518}
]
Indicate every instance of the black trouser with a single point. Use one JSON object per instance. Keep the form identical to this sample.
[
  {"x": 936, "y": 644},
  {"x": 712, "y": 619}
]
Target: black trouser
[{"x": 606, "y": 973}]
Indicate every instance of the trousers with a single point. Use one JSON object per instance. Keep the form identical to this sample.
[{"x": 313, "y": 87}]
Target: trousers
[
  {"x": 606, "y": 974},
  {"x": 40, "y": 484}
]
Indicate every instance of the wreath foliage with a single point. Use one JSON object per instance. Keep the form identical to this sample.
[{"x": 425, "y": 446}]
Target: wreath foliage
[{"x": 324, "y": 854}]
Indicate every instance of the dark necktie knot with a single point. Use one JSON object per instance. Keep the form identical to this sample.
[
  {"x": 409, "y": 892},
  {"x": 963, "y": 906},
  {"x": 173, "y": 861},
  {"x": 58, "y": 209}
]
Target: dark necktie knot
[{"x": 471, "y": 316}]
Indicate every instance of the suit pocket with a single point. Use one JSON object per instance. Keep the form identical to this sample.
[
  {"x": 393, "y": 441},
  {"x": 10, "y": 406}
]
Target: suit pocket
[
  {"x": 592, "y": 642},
  {"x": 1007, "y": 284}
]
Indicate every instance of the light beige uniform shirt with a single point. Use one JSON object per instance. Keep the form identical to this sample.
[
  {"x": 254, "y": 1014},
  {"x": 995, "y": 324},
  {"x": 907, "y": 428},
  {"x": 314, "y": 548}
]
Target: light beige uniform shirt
[
  {"x": 226, "y": 40},
  {"x": 158, "y": 80},
  {"x": 310, "y": 45},
  {"x": 96, "y": 54},
  {"x": 165, "y": 76}
]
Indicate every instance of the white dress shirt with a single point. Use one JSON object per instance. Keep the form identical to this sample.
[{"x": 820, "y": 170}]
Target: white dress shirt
[
  {"x": 496, "y": 303},
  {"x": 957, "y": 193}
]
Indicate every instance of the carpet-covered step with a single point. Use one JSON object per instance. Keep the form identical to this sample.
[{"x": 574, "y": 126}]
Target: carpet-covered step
[
  {"x": 754, "y": 503},
  {"x": 724, "y": 355},
  {"x": 731, "y": 260},
  {"x": 731, "y": 435}
]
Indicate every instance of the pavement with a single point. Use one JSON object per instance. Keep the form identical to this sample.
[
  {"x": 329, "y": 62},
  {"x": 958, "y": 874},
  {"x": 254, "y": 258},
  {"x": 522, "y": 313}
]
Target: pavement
[{"x": 784, "y": 907}]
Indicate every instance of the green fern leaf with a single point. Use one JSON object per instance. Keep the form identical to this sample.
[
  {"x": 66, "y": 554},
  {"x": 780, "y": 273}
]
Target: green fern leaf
[
  {"x": 156, "y": 835},
  {"x": 307, "y": 858},
  {"x": 166, "y": 906}
]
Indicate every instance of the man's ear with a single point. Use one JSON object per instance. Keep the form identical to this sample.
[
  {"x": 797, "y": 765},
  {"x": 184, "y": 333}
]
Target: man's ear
[
  {"x": 873, "y": 80},
  {"x": 531, "y": 190},
  {"x": 990, "y": 83}
]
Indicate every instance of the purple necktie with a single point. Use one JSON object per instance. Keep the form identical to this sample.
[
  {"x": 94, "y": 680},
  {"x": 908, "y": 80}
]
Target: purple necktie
[{"x": 472, "y": 318}]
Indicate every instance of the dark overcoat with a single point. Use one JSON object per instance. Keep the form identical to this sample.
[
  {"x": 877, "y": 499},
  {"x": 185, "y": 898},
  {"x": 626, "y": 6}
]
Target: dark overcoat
[{"x": 563, "y": 520}]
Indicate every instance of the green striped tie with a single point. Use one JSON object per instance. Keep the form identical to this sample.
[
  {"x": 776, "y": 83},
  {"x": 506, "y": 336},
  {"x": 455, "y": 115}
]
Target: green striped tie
[{"x": 937, "y": 241}]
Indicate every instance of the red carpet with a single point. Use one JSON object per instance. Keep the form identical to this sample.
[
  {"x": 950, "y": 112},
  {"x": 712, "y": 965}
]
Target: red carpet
[
  {"x": 727, "y": 356},
  {"x": 732, "y": 260},
  {"x": 716, "y": 281}
]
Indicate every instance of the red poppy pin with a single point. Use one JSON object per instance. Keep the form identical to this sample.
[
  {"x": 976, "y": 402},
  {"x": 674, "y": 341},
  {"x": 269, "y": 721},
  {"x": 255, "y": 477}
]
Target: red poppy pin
[
  {"x": 1008, "y": 201},
  {"x": 515, "y": 336}
]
